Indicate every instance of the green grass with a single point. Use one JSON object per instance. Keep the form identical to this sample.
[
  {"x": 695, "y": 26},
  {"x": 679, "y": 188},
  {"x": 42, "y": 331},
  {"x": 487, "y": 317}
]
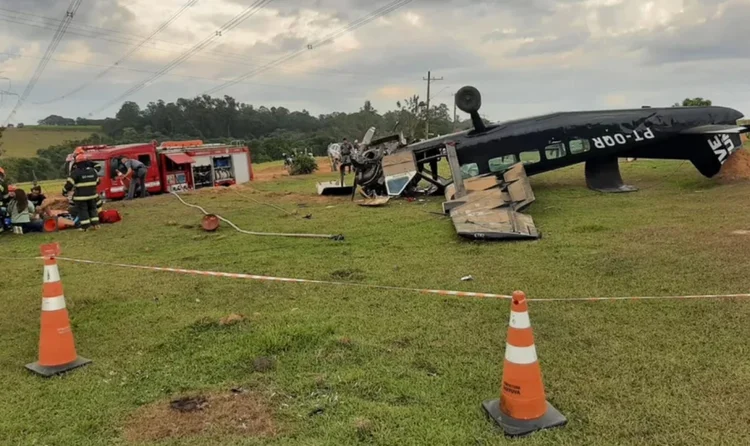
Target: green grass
[
  {"x": 416, "y": 367},
  {"x": 23, "y": 143},
  {"x": 49, "y": 187}
]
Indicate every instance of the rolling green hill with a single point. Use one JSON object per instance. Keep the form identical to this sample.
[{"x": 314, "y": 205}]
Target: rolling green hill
[{"x": 24, "y": 143}]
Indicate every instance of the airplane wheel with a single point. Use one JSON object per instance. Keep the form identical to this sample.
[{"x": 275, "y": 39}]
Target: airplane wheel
[{"x": 468, "y": 99}]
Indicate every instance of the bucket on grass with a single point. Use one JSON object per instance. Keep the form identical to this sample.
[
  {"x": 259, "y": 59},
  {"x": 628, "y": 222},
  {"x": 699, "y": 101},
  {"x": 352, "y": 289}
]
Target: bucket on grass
[{"x": 210, "y": 223}]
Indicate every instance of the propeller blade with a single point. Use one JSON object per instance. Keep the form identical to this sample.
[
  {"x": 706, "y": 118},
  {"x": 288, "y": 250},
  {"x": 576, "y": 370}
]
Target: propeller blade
[{"x": 354, "y": 186}]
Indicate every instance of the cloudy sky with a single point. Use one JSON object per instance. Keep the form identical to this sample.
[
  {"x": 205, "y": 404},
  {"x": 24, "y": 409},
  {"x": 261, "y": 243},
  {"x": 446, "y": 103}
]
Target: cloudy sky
[{"x": 526, "y": 56}]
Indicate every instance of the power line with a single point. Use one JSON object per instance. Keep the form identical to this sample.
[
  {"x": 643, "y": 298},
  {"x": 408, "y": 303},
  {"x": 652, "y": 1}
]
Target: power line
[
  {"x": 185, "y": 76},
  {"x": 230, "y": 25},
  {"x": 53, "y": 22},
  {"x": 380, "y": 12},
  {"x": 438, "y": 93},
  {"x": 100, "y": 34},
  {"x": 69, "y": 14},
  {"x": 140, "y": 44}
]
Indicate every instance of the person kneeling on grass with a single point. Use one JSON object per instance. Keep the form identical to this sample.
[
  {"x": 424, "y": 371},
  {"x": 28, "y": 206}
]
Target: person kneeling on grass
[{"x": 22, "y": 211}]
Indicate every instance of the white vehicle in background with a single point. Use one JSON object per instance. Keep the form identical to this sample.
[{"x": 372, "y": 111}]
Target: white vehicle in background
[{"x": 334, "y": 149}]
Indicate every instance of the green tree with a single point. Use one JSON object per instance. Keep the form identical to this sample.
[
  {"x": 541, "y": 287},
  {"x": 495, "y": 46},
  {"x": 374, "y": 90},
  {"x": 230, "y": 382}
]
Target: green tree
[
  {"x": 56, "y": 120},
  {"x": 693, "y": 102},
  {"x": 129, "y": 115}
]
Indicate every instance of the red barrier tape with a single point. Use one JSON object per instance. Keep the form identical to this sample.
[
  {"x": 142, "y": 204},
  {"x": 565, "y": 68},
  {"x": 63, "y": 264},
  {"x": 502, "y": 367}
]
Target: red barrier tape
[
  {"x": 391, "y": 288},
  {"x": 194, "y": 272}
]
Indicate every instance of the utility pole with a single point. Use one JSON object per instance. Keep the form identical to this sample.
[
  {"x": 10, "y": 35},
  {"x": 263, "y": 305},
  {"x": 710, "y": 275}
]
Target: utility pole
[
  {"x": 455, "y": 114},
  {"x": 429, "y": 79}
]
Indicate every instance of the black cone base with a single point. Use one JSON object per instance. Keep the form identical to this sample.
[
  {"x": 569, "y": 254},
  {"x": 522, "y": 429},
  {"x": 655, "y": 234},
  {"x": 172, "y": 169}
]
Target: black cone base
[
  {"x": 519, "y": 428},
  {"x": 46, "y": 371},
  {"x": 603, "y": 175}
]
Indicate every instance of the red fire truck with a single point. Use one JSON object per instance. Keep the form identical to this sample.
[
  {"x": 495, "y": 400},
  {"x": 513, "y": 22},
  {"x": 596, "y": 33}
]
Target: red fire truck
[{"x": 173, "y": 166}]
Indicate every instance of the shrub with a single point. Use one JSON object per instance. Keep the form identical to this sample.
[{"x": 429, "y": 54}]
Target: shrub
[{"x": 303, "y": 164}]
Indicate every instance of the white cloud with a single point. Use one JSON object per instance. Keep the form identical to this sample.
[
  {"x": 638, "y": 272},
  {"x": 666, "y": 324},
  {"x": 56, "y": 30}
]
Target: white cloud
[{"x": 526, "y": 56}]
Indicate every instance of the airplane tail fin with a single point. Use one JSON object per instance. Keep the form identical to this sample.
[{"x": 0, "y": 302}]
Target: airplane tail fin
[{"x": 717, "y": 143}]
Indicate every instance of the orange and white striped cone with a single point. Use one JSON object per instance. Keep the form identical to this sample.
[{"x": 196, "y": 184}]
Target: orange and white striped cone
[
  {"x": 57, "y": 352},
  {"x": 522, "y": 407}
]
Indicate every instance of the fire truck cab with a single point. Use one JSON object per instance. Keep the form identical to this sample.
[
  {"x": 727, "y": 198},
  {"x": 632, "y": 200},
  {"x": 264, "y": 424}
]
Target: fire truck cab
[{"x": 173, "y": 166}]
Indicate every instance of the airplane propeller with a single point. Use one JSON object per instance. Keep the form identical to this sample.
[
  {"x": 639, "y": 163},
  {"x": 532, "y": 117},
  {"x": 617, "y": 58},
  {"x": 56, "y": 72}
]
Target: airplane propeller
[{"x": 354, "y": 183}]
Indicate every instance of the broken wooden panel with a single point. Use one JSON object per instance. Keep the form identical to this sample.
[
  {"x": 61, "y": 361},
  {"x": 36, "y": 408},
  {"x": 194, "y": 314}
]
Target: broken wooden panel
[
  {"x": 520, "y": 193},
  {"x": 398, "y": 163},
  {"x": 495, "y": 224},
  {"x": 399, "y": 169},
  {"x": 489, "y": 211},
  {"x": 474, "y": 184},
  {"x": 516, "y": 172},
  {"x": 487, "y": 199}
]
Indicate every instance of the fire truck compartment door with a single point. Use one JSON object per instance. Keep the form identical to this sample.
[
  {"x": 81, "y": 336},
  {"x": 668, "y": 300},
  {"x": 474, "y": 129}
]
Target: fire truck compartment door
[{"x": 180, "y": 158}]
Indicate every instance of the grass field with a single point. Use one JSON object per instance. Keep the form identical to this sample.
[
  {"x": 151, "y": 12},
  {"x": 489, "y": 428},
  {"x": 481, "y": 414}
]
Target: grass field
[
  {"x": 325, "y": 365},
  {"x": 24, "y": 143}
]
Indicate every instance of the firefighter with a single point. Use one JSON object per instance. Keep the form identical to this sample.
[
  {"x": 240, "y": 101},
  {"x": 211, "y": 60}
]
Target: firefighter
[
  {"x": 4, "y": 192},
  {"x": 4, "y": 199},
  {"x": 84, "y": 179}
]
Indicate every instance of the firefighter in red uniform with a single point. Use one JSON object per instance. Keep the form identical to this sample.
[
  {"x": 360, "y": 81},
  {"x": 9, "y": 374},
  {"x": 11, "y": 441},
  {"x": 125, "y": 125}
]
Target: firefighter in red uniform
[{"x": 84, "y": 179}]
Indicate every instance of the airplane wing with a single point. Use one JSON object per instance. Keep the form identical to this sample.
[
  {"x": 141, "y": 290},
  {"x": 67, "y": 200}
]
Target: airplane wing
[
  {"x": 490, "y": 209},
  {"x": 716, "y": 129}
]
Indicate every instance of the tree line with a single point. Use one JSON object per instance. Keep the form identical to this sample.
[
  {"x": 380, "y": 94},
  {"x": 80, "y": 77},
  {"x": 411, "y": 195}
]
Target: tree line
[{"x": 268, "y": 131}]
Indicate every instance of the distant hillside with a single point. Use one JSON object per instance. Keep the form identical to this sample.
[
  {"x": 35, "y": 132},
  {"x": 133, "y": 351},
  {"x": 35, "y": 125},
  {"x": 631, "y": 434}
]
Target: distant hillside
[{"x": 23, "y": 143}]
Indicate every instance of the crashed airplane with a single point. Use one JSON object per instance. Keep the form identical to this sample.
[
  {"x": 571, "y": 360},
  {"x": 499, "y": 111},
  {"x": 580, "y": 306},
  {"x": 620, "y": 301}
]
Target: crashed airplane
[{"x": 493, "y": 161}]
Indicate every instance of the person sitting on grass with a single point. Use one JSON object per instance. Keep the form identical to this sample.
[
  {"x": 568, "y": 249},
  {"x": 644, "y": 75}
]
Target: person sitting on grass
[
  {"x": 36, "y": 196},
  {"x": 22, "y": 211}
]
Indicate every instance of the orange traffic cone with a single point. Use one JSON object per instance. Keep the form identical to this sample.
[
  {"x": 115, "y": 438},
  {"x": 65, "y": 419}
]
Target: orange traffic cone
[
  {"x": 53, "y": 224},
  {"x": 522, "y": 407},
  {"x": 57, "y": 352}
]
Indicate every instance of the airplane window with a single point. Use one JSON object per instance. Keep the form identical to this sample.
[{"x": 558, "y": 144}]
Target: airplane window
[
  {"x": 502, "y": 162},
  {"x": 469, "y": 170},
  {"x": 530, "y": 157},
  {"x": 579, "y": 145},
  {"x": 554, "y": 151}
]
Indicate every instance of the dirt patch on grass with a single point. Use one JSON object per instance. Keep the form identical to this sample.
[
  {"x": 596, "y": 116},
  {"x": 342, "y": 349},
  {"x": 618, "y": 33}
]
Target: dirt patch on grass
[
  {"x": 239, "y": 413},
  {"x": 276, "y": 172},
  {"x": 246, "y": 192},
  {"x": 736, "y": 168},
  {"x": 354, "y": 274},
  {"x": 270, "y": 174},
  {"x": 231, "y": 319}
]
